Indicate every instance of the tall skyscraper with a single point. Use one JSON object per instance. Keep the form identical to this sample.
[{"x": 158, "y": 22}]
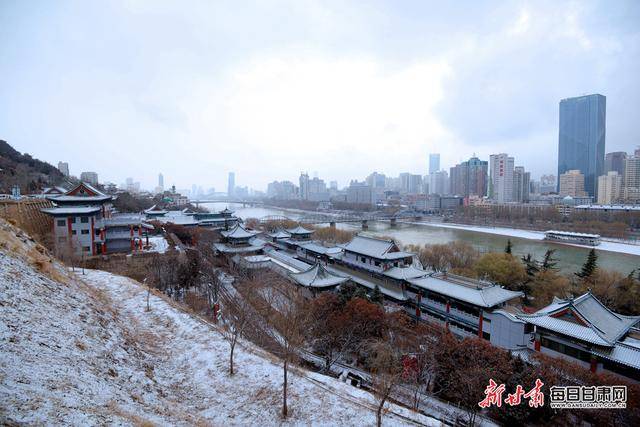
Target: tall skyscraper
[
  {"x": 581, "y": 138},
  {"x": 469, "y": 178},
  {"x": 434, "y": 163},
  {"x": 521, "y": 184},
  {"x": 64, "y": 168},
  {"x": 609, "y": 188},
  {"x": 631, "y": 183},
  {"x": 161, "y": 181},
  {"x": 231, "y": 185},
  {"x": 615, "y": 162},
  {"x": 89, "y": 177},
  {"x": 501, "y": 177},
  {"x": 304, "y": 186}
]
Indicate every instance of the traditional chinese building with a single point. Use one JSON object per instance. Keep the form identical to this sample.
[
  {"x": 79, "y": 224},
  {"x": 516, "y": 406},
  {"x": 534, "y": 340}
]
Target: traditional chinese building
[
  {"x": 464, "y": 305},
  {"x": 318, "y": 279},
  {"x": 300, "y": 233},
  {"x": 83, "y": 223},
  {"x": 375, "y": 255},
  {"x": 586, "y": 332},
  {"x": 239, "y": 240}
]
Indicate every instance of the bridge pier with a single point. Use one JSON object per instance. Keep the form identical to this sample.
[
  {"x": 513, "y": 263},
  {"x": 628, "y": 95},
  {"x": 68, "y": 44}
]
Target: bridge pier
[
  {"x": 364, "y": 224},
  {"x": 418, "y": 218},
  {"x": 332, "y": 224},
  {"x": 394, "y": 222}
]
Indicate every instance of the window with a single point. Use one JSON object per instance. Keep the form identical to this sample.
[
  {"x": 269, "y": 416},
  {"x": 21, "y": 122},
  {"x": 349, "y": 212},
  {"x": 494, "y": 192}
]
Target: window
[
  {"x": 74, "y": 232},
  {"x": 84, "y": 232},
  {"x": 363, "y": 259},
  {"x": 62, "y": 223},
  {"x": 377, "y": 263},
  {"x": 72, "y": 220},
  {"x": 86, "y": 248},
  {"x": 84, "y": 219}
]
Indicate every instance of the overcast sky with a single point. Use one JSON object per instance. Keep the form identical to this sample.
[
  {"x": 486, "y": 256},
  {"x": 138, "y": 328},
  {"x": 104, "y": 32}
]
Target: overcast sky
[{"x": 271, "y": 88}]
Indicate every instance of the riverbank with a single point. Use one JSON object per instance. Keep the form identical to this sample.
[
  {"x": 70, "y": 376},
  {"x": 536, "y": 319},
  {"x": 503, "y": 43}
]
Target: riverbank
[{"x": 606, "y": 245}]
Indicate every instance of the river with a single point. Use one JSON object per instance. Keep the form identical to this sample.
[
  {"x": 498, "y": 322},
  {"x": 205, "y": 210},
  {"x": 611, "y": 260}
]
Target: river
[{"x": 570, "y": 258}]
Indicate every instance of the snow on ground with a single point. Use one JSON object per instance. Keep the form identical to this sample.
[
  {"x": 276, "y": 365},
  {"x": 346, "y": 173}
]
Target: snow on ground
[
  {"x": 84, "y": 351},
  {"x": 605, "y": 245},
  {"x": 158, "y": 244}
]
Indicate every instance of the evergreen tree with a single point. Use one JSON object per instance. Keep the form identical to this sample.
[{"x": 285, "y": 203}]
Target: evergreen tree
[
  {"x": 549, "y": 262},
  {"x": 590, "y": 265},
  {"x": 361, "y": 293},
  {"x": 507, "y": 249},
  {"x": 531, "y": 265},
  {"x": 376, "y": 296},
  {"x": 346, "y": 292}
]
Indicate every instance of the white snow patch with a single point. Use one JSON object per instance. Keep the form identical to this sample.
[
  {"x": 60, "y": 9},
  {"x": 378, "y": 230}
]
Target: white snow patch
[{"x": 87, "y": 353}]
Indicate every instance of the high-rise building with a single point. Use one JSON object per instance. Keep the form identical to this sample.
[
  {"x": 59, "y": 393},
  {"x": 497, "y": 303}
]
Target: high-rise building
[
  {"x": 359, "y": 193},
  {"x": 581, "y": 138},
  {"x": 438, "y": 183},
  {"x": 615, "y": 162},
  {"x": 161, "y": 181},
  {"x": 572, "y": 184},
  {"x": 609, "y": 188},
  {"x": 631, "y": 183},
  {"x": 501, "y": 177},
  {"x": 469, "y": 178},
  {"x": 434, "y": 162},
  {"x": 89, "y": 177},
  {"x": 231, "y": 184},
  {"x": 304, "y": 186},
  {"x": 521, "y": 184},
  {"x": 64, "y": 168}
]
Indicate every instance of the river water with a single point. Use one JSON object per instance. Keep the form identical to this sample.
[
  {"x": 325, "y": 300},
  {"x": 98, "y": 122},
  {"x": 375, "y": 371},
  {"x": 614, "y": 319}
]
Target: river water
[{"x": 570, "y": 258}]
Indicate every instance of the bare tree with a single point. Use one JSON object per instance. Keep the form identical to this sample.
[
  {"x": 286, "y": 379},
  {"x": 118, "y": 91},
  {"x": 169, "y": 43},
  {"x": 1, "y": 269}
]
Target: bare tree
[
  {"x": 237, "y": 315},
  {"x": 386, "y": 372},
  {"x": 284, "y": 309}
]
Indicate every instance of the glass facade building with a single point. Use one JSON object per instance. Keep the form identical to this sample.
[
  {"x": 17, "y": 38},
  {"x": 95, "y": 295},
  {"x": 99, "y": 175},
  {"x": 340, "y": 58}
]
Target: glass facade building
[{"x": 582, "y": 137}]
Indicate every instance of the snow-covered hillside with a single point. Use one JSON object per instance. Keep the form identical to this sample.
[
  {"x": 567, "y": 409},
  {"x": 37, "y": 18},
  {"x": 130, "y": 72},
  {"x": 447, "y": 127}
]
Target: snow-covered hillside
[{"x": 82, "y": 350}]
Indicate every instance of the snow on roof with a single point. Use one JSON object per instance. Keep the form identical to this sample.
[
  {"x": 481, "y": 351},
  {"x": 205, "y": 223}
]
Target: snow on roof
[
  {"x": 72, "y": 210},
  {"x": 285, "y": 258},
  {"x": 238, "y": 232},
  {"x": 623, "y": 353},
  {"x": 153, "y": 210},
  {"x": 605, "y": 327},
  {"x": 279, "y": 234},
  {"x": 320, "y": 249},
  {"x": 299, "y": 230},
  {"x": 318, "y": 277},
  {"x": 405, "y": 273},
  {"x": 376, "y": 248},
  {"x": 251, "y": 247},
  {"x": 391, "y": 290},
  {"x": 79, "y": 199},
  {"x": 473, "y": 292}
]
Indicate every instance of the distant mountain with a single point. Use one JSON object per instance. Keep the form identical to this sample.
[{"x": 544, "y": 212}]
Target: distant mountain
[{"x": 22, "y": 169}]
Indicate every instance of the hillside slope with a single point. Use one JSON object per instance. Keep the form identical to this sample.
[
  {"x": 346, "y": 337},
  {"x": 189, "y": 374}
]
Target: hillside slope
[
  {"x": 25, "y": 171},
  {"x": 82, "y": 350}
]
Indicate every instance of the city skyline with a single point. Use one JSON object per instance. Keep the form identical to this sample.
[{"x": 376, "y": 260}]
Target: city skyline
[{"x": 371, "y": 87}]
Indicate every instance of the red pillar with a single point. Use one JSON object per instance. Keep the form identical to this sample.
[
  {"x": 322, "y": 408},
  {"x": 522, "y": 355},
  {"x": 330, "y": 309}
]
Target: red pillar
[
  {"x": 594, "y": 364},
  {"x": 536, "y": 344}
]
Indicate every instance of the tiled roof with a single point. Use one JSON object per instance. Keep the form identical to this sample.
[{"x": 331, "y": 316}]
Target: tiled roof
[
  {"x": 238, "y": 232},
  {"x": 299, "y": 230},
  {"x": 479, "y": 294},
  {"x": 77, "y": 210},
  {"x": 253, "y": 246},
  {"x": 405, "y": 273},
  {"x": 623, "y": 353},
  {"x": 279, "y": 234},
  {"x": 564, "y": 327},
  {"x": 79, "y": 199},
  {"x": 604, "y": 323},
  {"x": 388, "y": 289},
  {"x": 376, "y": 248},
  {"x": 318, "y": 277},
  {"x": 320, "y": 249}
]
